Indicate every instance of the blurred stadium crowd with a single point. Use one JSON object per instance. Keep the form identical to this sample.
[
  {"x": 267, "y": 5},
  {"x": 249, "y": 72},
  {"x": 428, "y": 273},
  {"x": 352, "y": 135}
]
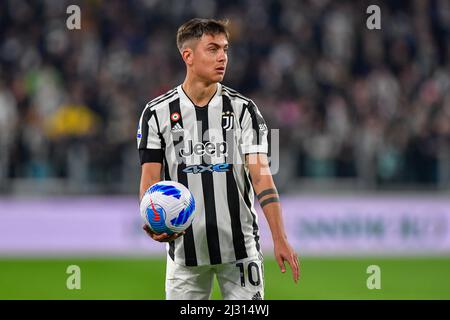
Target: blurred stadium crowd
[{"x": 369, "y": 105}]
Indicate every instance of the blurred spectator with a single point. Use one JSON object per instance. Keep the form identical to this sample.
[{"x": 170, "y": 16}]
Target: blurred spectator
[
  {"x": 373, "y": 105},
  {"x": 8, "y": 125}
]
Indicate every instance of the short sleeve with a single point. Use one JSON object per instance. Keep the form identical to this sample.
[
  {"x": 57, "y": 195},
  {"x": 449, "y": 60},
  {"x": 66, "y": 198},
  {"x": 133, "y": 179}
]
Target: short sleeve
[
  {"x": 254, "y": 130},
  {"x": 149, "y": 138}
]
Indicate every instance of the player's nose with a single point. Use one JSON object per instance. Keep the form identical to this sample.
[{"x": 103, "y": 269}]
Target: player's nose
[{"x": 222, "y": 56}]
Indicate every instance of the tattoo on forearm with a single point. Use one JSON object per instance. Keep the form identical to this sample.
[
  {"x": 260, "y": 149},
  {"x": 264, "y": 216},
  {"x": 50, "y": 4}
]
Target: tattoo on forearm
[
  {"x": 270, "y": 200},
  {"x": 267, "y": 192}
]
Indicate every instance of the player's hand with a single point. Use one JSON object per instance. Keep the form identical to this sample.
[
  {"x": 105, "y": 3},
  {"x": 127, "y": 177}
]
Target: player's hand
[
  {"x": 161, "y": 237},
  {"x": 284, "y": 252}
]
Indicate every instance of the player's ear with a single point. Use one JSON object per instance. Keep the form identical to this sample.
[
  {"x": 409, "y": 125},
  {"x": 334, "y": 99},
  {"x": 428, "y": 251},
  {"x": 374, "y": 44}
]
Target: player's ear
[{"x": 188, "y": 55}]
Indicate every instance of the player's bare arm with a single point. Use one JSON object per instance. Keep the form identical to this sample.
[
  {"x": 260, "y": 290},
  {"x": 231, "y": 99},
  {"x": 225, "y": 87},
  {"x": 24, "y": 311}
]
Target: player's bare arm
[
  {"x": 268, "y": 198},
  {"x": 150, "y": 174}
]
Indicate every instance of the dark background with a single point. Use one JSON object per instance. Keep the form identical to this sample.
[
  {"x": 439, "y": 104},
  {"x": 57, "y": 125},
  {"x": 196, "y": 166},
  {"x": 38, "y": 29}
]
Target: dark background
[{"x": 357, "y": 109}]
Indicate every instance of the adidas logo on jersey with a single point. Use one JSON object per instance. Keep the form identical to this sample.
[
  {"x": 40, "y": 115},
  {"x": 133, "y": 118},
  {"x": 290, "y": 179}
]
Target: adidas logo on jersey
[
  {"x": 177, "y": 128},
  {"x": 257, "y": 296},
  {"x": 262, "y": 127}
]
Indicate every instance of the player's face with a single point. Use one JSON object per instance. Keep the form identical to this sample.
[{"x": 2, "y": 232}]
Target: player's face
[{"x": 210, "y": 57}]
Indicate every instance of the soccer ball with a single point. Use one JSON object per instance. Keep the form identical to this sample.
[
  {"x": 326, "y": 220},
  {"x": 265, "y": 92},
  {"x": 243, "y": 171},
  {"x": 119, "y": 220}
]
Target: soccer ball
[{"x": 168, "y": 207}]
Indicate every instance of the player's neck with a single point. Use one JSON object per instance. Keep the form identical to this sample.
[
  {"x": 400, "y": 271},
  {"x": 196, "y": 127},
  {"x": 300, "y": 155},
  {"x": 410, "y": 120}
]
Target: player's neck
[{"x": 199, "y": 92}]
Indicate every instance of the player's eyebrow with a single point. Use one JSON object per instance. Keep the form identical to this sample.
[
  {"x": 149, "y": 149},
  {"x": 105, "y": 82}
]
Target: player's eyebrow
[{"x": 215, "y": 44}]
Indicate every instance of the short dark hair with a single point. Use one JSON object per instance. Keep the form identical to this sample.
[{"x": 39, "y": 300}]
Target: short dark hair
[{"x": 196, "y": 28}]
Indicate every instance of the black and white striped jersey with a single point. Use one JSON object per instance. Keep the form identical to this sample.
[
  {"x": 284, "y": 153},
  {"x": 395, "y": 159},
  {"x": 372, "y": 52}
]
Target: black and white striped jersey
[{"x": 203, "y": 148}]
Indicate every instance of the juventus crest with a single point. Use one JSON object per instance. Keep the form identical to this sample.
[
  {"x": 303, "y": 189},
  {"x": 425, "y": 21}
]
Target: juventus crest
[{"x": 228, "y": 120}]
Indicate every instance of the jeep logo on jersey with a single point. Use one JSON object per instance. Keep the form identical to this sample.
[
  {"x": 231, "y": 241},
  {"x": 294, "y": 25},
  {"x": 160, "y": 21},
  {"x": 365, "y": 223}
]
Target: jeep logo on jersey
[
  {"x": 209, "y": 149},
  {"x": 227, "y": 120}
]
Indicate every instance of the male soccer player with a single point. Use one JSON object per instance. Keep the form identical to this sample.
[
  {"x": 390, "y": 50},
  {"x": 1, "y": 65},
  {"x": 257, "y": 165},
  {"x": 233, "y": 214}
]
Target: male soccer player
[{"x": 213, "y": 140}]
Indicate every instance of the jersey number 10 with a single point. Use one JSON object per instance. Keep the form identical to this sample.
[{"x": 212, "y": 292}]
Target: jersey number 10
[{"x": 251, "y": 275}]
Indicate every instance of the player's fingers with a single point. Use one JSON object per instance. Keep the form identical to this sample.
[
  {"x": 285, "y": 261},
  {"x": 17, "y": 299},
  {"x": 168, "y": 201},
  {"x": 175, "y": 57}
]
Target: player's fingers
[
  {"x": 293, "y": 262},
  {"x": 171, "y": 237},
  {"x": 160, "y": 237},
  {"x": 153, "y": 235},
  {"x": 297, "y": 262},
  {"x": 281, "y": 263},
  {"x": 298, "y": 266},
  {"x": 163, "y": 237},
  {"x": 148, "y": 230},
  {"x": 175, "y": 236}
]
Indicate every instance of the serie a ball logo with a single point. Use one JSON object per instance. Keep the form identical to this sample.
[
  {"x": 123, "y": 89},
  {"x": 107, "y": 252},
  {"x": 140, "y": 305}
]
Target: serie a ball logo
[{"x": 168, "y": 207}]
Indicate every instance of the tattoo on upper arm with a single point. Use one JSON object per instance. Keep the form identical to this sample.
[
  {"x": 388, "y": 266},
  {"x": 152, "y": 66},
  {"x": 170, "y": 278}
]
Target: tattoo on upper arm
[
  {"x": 266, "y": 192},
  {"x": 270, "y": 200}
]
